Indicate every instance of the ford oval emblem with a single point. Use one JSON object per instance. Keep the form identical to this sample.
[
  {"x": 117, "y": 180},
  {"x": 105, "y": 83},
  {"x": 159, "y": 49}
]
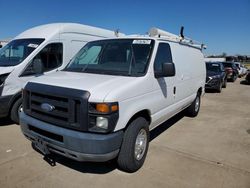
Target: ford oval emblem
[{"x": 47, "y": 107}]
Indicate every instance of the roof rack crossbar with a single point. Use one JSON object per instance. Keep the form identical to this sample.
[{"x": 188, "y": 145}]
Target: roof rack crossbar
[{"x": 156, "y": 32}]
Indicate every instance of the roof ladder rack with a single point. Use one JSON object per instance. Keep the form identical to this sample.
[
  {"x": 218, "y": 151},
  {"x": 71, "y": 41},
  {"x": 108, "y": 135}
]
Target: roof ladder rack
[{"x": 155, "y": 32}]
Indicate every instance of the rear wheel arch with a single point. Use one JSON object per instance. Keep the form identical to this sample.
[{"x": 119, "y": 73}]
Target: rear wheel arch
[
  {"x": 194, "y": 108},
  {"x": 199, "y": 91}
]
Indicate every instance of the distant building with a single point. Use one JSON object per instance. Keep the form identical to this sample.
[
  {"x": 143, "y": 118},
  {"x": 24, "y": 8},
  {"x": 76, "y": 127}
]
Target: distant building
[
  {"x": 248, "y": 59},
  {"x": 232, "y": 58},
  {"x": 215, "y": 59},
  {"x": 238, "y": 58}
]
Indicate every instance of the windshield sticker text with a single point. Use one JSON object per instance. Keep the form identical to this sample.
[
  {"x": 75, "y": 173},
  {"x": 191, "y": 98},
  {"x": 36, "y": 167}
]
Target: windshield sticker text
[
  {"x": 141, "y": 41},
  {"x": 33, "y": 45}
]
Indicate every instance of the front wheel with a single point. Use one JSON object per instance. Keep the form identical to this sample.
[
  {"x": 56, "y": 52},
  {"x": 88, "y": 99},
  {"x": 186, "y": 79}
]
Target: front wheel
[
  {"x": 194, "y": 108},
  {"x": 16, "y": 108},
  {"x": 134, "y": 146}
]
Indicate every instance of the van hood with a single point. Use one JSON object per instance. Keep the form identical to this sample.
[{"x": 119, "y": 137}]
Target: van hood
[
  {"x": 6, "y": 70},
  {"x": 98, "y": 85}
]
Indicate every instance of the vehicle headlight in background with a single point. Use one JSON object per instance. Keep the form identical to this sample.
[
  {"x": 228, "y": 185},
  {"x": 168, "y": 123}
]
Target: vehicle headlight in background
[{"x": 215, "y": 77}]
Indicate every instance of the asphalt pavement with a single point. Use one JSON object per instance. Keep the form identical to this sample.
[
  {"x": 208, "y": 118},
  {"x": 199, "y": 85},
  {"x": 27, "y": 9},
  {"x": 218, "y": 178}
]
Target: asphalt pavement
[{"x": 211, "y": 150}]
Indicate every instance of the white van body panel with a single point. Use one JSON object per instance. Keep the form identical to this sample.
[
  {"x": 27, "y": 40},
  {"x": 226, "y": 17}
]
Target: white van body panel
[
  {"x": 156, "y": 95},
  {"x": 98, "y": 85},
  {"x": 5, "y": 70},
  {"x": 190, "y": 70}
]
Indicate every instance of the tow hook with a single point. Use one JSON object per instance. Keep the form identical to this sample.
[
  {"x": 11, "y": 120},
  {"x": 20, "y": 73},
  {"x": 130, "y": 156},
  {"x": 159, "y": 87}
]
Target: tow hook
[{"x": 50, "y": 159}]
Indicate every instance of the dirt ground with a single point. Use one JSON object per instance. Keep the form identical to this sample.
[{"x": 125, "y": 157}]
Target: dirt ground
[{"x": 212, "y": 150}]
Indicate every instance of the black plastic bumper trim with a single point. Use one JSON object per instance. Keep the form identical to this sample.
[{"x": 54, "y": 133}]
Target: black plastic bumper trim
[{"x": 86, "y": 146}]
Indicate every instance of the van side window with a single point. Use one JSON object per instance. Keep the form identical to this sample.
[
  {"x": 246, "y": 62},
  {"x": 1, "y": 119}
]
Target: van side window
[
  {"x": 51, "y": 57},
  {"x": 163, "y": 55}
]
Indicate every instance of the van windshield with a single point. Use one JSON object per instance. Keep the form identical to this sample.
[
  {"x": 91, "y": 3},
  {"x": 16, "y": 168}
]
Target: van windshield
[
  {"x": 126, "y": 57},
  {"x": 17, "y": 50}
]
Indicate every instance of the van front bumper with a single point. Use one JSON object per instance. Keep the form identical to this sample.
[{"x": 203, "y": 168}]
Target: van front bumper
[
  {"x": 80, "y": 146},
  {"x": 5, "y": 105},
  {"x": 213, "y": 84}
]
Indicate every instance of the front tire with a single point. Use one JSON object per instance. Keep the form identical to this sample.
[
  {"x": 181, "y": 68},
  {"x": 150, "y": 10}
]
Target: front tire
[
  {"x": 16, "y": 108},
  {"x": 134, "y": 146},
  {"x": 194, "y": 108}
]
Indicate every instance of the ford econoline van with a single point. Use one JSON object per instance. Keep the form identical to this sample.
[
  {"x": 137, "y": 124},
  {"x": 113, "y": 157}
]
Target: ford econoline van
[{"x": 103, "y": 104}]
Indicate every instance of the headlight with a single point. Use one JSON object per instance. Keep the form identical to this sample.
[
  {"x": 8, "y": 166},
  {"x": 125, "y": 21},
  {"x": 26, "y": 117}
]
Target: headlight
[
  {"x": 215, "y": 77},
  {"x": 102, "y": 122},
  {"x": 103, "y": 117},
  {"x": 3, "y": 78}
]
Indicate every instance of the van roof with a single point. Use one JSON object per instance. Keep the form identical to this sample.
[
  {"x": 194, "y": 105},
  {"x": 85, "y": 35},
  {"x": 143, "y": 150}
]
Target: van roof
[
  {"x": 147, "y": 37},
  {"x": 161, "y": 35},
  {"x": 53, "y": 29}
]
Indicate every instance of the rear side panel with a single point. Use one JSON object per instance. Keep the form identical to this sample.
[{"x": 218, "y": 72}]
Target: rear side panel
[{"x": 190, "y": 71}]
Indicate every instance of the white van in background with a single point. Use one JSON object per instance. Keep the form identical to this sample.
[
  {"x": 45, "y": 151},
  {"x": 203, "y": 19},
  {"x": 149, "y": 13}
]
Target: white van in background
[
  {"x": 50, "y": 46},
  {"x": 103, "y": 104}
]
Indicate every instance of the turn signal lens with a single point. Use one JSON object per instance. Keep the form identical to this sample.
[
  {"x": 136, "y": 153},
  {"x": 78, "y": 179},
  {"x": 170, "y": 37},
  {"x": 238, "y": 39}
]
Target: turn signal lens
[
  {"x": 102, "y": 107},
  {"x": 106, "y": 108},
  {"x": 114, "y": 108}
]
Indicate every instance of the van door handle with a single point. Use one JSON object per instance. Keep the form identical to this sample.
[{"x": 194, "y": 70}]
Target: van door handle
[{"x": 174, "y": 90}]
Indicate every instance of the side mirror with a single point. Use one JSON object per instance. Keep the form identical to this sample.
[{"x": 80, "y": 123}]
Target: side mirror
[
  {"x": 168, "y": 70},
  {"x": 37, "y": 66}
]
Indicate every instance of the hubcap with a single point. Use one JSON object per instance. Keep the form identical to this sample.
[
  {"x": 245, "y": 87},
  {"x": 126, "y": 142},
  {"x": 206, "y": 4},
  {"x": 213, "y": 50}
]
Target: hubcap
[
  {"x": 20, "y": 109},
  {"x": 197, "y": 103},
  {"x": 140, "y": 144}
]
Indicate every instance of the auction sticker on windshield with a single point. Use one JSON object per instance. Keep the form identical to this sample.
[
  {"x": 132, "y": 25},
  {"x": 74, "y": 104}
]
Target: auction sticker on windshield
[
  {"x": 141, "y": 41},
  {"x": 33, "y": 45}
]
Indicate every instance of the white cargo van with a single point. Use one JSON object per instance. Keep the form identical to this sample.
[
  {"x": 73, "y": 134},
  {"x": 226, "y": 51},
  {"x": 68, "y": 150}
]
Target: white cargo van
[
  {"x": 51, "y": 45},
  {"x": 103, "y": 104}
]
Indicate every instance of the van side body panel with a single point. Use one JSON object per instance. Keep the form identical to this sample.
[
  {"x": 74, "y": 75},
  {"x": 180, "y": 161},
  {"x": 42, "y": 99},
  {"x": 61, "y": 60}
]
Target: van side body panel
[{"x": 157, "y": 95}]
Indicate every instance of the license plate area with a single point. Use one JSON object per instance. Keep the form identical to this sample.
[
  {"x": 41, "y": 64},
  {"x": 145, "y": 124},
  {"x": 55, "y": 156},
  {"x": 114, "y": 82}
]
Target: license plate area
[
  {"x": 46, "y": 134},
  {"x": 41, "y": 145}
]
